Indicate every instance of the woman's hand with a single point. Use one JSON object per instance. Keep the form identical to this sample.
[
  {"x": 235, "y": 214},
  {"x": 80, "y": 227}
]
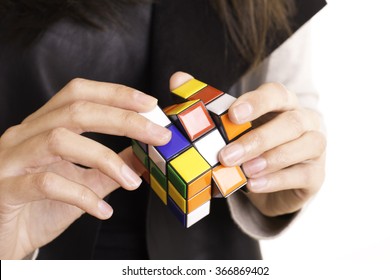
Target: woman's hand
[
  {"x": 284, "y": 155},
  {"x": 42, "y": 190}
]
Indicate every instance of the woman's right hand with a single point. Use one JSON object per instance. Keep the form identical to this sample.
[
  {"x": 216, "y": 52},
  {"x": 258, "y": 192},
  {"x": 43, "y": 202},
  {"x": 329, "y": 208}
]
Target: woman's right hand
[{"x": 43, "y": 189}]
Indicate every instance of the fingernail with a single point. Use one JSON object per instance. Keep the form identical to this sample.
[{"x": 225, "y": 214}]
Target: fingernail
[
  {"x": 161, "y": 133},
  {"x": 130, "y": 177},
  {"x": 144, "y": 99},
  {"x": 257, "y": 185},
  {"x": 254, "y": 166},
  {"x": 232, "y": 154},
  {"x": 105, "y": 209},
  {"x": 242, "y": 112}
]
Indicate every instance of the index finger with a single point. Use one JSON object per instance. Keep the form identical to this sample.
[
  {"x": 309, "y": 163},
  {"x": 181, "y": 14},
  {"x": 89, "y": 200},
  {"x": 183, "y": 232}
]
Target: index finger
[{"x": 103, "y": 93}]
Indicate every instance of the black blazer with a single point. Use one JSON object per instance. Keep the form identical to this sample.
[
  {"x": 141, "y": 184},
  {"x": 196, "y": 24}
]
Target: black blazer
[{"x": 194, "y": 42}]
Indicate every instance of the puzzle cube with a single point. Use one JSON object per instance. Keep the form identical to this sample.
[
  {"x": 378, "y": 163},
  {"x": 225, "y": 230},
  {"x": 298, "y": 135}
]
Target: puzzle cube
[
  {"x": 189, "y": 88},
  {"x": 209, "y": 146},
  {"x": 141, "y": 149},
  {"x": 218, "y": 104},
  {"x": 218, "y": 109},
  {"x": 141, "y": 153},
  {"x": 189, "y": 182},
  {"x": 206, "y": 94},
  {"x": 188, "y": 205},
  {"x": 143, "y": 170},
  {"x": 228, "y": 179},
  {"x": 185, "y": 173},
  {"x": 191, "y": 118},
  {"x": 158, "y": 182},
  {"x": 160, "y": 155},
  {"x": 189, "y": 173},
  {"x": 157, "y": 116},
  {"x": 189, "y": 219}
]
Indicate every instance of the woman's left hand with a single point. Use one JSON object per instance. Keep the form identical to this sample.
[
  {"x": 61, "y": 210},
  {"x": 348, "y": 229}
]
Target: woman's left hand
[{"x": 283, "y": 156}]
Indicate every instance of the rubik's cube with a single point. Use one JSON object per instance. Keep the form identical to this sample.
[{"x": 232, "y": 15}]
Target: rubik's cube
[{"x": 185, "y": 173}]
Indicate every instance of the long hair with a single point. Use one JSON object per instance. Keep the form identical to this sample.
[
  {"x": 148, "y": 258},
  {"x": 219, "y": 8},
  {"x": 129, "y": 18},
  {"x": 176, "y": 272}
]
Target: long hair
[
  {"x": 255, "y": 25},
  {"x": 252, "y": 25}
]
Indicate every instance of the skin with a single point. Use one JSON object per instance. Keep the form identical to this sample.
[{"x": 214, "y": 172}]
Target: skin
[{"x": 43, "y": 191}]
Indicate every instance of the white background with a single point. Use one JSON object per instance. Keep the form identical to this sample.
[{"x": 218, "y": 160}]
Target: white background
[{"x": 349, "y": 219}]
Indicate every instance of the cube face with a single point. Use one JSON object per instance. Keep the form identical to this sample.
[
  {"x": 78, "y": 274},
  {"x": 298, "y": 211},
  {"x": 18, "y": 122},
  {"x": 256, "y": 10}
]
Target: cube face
[
  {"x": 177, "y": 144},
  {"x": 210, "y": 145},
  {"x": 196, "y": 121},
  {"x": 140, "y": 153},
  {"x": 160, "y": 155},
  {"x": 219, "y": 112},
  {"x": 221, "y": 104},
  {"x": 232, "y": 130},
  {"x": 188, "y": 190},
  {"x": 176, "y": 180},
  {"x": 198, "y": 184},
  {"x": 158, "y": 190},
  {"x": 192, "y": 118},
  {"x": 198, "y": 214},
  {"x": 158, "y": 159},
  {"x": 206, "y": 94},
  {"x": 157, "y": 116},
  {"x": 190, "y": 165},
  {"x": 190, "y": 219},
  {"x": 185, "y": 173},
  {"x": 199, "y": 199},
  {"x": 189, "y": 205},
  {"x": 189, "y": 88},
  {"x": 228, "y": 179},
  {"x": 189, "y": 173},
  {"x": 174, "y": 110},
  {"x": 158, "y": 175}
]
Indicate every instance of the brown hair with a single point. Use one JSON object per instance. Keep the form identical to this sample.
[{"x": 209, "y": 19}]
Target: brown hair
[{"x": 252, "y": 25}]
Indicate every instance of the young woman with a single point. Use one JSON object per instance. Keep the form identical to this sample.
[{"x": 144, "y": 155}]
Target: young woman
[{"x": 75, "y": 75}]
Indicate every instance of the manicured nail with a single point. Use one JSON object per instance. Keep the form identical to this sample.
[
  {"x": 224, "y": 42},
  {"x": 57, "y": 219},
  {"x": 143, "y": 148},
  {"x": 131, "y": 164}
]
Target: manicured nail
[
  {"x": 131, "y": 178},
  {"x": 232, "y": 154},
  {"x": 254, "y": 166},
  {"x": 161, "y": 133},
  {"x": 257, "y": 185},
  {"x": 105, "y": 209},
  {"x": 144, "y": 99},
  {"x": 242, "y": 112}
]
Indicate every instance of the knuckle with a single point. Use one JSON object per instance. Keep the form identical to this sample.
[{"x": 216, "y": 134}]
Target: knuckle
[
  {"x": 280, "y": 158},
  {"x": 284, "y": 94},
  {"x": 44, "y": 183},
  {"x": 9, "y": 135},
  {"x": 131, "y": 121},
  {"x": 254, "y": 140},
  {"x": 107, "y": 156},
  {"x": 54, "y": 138},
  {"x": 76, "y": 85},
  {"x": 121, "y": 89},
  {"x": 76, "y": 110},
  {"x": 275, "y": 86},
  {"x": 83, "y": 196}
]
